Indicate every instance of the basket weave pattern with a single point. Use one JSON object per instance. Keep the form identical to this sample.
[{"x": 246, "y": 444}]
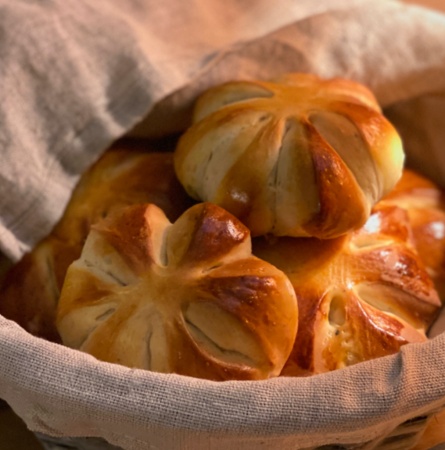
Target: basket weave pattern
[{"x": 404, "y": 437}]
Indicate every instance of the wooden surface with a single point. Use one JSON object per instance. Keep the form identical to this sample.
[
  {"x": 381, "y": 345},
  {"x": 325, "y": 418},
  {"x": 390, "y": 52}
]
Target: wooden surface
[{"x": 13, "y": 432}]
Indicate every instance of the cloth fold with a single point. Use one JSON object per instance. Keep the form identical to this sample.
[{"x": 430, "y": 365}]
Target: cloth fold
[
  {"x": 76, "y": 76},
  {"x": 59, "y": 392}
]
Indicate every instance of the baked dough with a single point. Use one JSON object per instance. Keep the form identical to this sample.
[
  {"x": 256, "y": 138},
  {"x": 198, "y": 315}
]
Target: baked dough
[
  {"x": 360, "y": 296},
  {"x": 301, "y": 156},
  {"x": 129, "y": 172},
  {"x": 425, "y": 203},
  {"x": 187, "y": 298}
]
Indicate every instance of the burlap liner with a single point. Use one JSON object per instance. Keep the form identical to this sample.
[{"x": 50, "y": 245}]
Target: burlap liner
[{"x": 73, "y": 111}]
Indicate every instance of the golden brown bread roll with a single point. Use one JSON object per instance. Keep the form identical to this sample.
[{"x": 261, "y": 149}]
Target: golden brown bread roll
[
  {"x": 425, "y": 203},
  {"x": 187, "y": 297},
  {"x": 300, "y": 156},
  {"x": 360, "y": 296},
  {"x": 126, "y": 174},
  {"x": 31, "y": 287},
  {"x": 130, "y": 172}
]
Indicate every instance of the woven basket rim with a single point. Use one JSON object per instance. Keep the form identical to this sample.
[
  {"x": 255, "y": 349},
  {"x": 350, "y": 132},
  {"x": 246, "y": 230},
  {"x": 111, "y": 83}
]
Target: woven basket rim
[{"x": 23, "y": 355}]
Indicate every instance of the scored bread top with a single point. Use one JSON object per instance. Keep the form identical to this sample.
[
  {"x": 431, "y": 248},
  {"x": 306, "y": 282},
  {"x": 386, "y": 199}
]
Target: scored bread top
[
  {"x": 424, "y": 202},
  {"x": 187, "y": 298},
  {"x": 300, "y": 156},
  {"x": 129, "y": 172},
  {"x": 360, "y": 296}
]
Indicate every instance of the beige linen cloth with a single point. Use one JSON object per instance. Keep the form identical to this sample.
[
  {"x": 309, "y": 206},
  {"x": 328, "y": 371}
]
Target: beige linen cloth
[{"x": 77, "y": 74}]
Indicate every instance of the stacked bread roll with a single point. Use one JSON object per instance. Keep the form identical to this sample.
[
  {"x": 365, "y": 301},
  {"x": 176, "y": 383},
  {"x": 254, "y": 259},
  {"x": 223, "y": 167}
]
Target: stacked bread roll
[
  {"x": 304, "y": 162},
  {"x": 425, "y": 206},
  {"x": 300, "y": 156},
  {"x": 360, "y": 296},
  {"x": 187, "y": 297},
  {"x": 128, "y": 173},
  {"x": 280, "y": 239}
]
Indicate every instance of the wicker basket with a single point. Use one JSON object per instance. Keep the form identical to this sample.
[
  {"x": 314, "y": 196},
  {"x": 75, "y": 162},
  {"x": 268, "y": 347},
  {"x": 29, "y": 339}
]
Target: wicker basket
[
  {"x": 404, "y": 420},
  {"x": 404, "y": 437}
]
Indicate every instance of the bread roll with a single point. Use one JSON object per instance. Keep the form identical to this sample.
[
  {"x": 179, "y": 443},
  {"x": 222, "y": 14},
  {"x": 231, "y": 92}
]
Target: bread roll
[
  {"x": 128, "y": 173},
  {"x": 187, "y": 298},
  {"x": 300, "y": 156},
  {"x": 425, "y": 203},
  {"x": 360, "y": 296}
]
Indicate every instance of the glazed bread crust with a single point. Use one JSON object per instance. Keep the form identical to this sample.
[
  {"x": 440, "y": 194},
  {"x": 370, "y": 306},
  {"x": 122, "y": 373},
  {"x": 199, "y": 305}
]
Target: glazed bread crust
[
  {"x": 300, "y": 156},
  {"x": 424, "y": 202},
  {"x": 128, "y": 173},
  {"x": 360, "y": 296},
  {"x": 187, "y": 298}
]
